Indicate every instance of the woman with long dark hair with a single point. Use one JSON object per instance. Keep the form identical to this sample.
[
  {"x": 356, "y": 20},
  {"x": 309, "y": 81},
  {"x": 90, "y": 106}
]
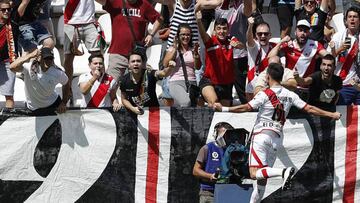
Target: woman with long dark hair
[{"x": 182, "y": 55}]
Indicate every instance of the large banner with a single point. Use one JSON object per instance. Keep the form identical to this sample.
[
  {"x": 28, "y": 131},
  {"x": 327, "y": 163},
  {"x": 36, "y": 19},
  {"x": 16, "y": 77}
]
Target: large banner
[{"x": 101, "y": 156}]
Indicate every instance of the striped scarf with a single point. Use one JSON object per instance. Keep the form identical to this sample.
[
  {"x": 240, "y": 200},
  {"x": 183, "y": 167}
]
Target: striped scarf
[{"x": 10, "y": 42}]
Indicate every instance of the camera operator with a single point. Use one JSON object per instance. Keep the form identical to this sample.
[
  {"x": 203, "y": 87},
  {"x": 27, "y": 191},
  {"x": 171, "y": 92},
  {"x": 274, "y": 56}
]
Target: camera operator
[{"x": 208, "y": 161}]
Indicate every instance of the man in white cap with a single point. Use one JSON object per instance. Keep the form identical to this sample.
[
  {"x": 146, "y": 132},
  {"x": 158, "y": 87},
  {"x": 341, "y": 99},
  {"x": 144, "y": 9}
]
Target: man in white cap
[{"x": 300, "y": 53}]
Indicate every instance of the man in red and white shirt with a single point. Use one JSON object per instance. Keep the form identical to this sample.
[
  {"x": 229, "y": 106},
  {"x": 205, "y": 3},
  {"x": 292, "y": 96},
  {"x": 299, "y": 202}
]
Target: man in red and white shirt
[
  {"x": 218, "y": 79},
  {"x": 345, "y": 46},
  {"x": 274, "y": 105},
  {"x": 97, "y": 87},
  {"x": 302, "y": 52},
  {"x": 258, "y": 50}
]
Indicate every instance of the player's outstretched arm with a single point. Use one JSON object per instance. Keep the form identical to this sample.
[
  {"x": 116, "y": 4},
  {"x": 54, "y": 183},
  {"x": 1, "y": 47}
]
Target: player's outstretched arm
[
  {"x": 319, "y": 112},
  {"x": 235, "y": 109}
]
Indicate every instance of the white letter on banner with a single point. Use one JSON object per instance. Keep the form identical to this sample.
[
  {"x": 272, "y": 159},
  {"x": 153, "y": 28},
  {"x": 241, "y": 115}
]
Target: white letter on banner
[
  {"x": 19, "y": 137},
  {"x": 88, "y": 142}
]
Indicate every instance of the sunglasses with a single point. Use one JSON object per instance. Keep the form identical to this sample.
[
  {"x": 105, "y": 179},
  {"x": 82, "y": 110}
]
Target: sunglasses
[
  {"x": 311, "y": 2},
  {"x": 259, "y": 34},
  {"x": 5, "y": 9}
]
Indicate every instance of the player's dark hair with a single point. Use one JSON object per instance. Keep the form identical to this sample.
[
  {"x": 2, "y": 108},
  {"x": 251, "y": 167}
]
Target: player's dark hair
[{"x": 275, "y": 71}]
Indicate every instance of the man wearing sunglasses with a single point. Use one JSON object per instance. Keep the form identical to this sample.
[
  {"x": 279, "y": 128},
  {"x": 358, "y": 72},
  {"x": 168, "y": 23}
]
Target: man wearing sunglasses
[
  {"x": 258, "y": 47},
  {"x": 300, "y": 53},
  {"x": 7, "y": 77},
  {"x": 314, "y": 15}
]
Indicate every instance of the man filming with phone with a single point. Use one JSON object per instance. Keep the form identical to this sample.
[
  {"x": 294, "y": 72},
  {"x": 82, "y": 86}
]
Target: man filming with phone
[{"x": 345, "y": 46}]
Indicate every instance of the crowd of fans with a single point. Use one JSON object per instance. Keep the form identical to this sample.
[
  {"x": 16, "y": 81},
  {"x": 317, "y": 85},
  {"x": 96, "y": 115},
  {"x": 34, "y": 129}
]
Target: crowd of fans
[{"x": 197, "y": 68}]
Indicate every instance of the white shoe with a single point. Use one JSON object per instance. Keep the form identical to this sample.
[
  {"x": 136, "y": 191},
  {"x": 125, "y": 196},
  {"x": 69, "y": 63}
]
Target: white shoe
[{"x": 288, "y": 175}]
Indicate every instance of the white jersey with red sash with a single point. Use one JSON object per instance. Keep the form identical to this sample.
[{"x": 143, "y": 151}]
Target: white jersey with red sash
[
  {"x": 303, "y": 59},
  {"x": 346, "y": 65},
  {"x": 257, "y": 63},
  {"x": 99, "y": 95},
  {"x": 274, "y": 105},
  {"x": 79, "y": 12}
]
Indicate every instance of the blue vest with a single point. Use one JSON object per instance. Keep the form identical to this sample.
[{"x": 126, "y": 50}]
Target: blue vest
[{"x": 214, "y": 156}]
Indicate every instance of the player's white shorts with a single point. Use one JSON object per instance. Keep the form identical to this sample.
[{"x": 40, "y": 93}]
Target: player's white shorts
[{"x": 263, "y": 149}]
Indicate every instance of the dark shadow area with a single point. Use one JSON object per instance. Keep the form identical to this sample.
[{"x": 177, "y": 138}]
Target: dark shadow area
[
  {"x": 189, "y": 134},
  {"x": 47, "y": 149},
  {"x": 117, "y": 182},
  {"x": 17, "y": 191}
]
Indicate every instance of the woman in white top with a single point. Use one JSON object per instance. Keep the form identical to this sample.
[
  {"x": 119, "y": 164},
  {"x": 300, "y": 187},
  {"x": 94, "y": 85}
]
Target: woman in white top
[{"x": 182, "y": 46}]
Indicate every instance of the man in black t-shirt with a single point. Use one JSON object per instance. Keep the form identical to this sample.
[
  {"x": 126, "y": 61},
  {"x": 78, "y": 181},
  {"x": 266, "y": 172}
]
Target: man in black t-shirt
[
  {"x": 315, "y": 15},
  {"x": 324, "y": 86},
  {"x": 139, "y": 85}
]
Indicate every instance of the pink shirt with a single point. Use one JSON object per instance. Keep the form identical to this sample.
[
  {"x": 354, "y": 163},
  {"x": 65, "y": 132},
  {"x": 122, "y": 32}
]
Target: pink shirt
[{"x": 178, "y": 74}]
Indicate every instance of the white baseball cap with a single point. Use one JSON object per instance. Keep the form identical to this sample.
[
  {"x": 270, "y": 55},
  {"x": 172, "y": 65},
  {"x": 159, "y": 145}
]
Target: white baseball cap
[{"x": 303, "y": 23}]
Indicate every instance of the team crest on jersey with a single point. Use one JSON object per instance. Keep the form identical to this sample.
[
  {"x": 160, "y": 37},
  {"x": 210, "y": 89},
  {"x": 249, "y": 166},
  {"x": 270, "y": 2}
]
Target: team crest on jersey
[
  {"x": 106, "y": 82},
  {"x": 215, "y": 155}
]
